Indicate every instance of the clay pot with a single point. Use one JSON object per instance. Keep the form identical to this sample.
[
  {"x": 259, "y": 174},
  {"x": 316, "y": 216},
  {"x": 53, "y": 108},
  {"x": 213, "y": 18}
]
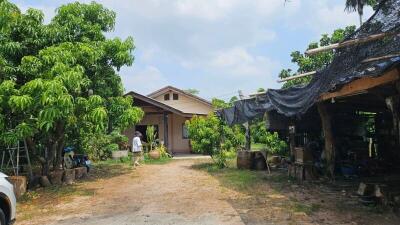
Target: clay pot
[{"x": 155, "y": 154}]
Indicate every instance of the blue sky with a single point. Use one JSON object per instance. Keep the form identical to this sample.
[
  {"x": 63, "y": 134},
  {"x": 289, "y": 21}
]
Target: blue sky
[{"x": 215, "y": 46}]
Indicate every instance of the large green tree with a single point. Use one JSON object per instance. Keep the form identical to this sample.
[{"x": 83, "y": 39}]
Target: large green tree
[
  {"x": 314, "y": 62},
  {"x": 59, "y": 80}
]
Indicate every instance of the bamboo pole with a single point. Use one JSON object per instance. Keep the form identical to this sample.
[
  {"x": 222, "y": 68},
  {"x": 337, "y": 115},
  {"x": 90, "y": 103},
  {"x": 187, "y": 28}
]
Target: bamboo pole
[
  {"x": 349, "y": 43},
  {"x": 380, "y": 58},
  {"x": 297, "y": 76}
]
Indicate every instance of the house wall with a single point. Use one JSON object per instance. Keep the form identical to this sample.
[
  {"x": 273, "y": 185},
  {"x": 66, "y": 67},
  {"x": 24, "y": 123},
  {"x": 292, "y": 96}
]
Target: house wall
[
  {"x": 185, "y": 104},
  {"x": 176, "y": 143},
  {"x": 179, "y": 144},
  {"x": 148, "y": 119}
]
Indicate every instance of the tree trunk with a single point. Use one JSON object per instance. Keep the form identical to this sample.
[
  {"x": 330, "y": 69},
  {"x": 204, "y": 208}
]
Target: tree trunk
[
  {"x": 60, "y": 147},
  {"x": 54, "y": 148},
  {"x": 60, "y": 141},
  {"x": 329, "y": 139}
]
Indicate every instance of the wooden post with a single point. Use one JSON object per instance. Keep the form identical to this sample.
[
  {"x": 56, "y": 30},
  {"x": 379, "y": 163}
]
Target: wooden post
[
  {"x": 329, "y": 139},
  {"x": 165, "y": 120},
  {"x": 292, "y": 141}
]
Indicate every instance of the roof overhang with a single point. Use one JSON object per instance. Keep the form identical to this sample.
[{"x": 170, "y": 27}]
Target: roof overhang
[{"x": 157, "y": 104}]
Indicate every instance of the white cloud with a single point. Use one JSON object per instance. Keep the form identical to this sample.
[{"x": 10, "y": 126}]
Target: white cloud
[
  {"x": 239, "y": 62},
  {"x": 215, "y": 46},
  {"x": 144, "y": 80},
  {"x": 330, "y": 18},
  {"x": 211, "y": 10}
]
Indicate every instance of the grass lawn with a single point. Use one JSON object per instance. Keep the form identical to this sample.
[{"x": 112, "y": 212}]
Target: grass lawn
[{"x": 257, "y": 146}]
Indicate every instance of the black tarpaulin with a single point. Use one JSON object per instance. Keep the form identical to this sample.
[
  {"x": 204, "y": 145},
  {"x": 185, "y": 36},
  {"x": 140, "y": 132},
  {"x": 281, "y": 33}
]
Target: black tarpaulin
[{"x": 346, "y": 66}]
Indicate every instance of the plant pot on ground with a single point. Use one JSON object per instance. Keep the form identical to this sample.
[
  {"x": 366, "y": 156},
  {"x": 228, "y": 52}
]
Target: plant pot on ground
[
  {"x": 151, "y": 139},
  {"x": 154, "y": 154},
  {"x": 119, "y": 154}
]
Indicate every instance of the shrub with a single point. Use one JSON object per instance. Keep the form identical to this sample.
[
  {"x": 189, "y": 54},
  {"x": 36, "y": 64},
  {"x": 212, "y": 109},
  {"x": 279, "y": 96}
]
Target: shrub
[
  {"x": 151, "y": 136},
  {"x": 95, "y": 146},
  {"x": 163, "y": 151},
  {"x": 100, "y": 146},
  {"x": 274, "y": 144},
  {"x": 120, "y": 139},
  {"x": 112, "y": 147},
  {"x": 209, "y": 135}
]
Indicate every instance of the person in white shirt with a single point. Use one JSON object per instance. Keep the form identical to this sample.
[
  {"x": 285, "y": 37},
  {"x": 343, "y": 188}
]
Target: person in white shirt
[{"x": 136, "y": 149}]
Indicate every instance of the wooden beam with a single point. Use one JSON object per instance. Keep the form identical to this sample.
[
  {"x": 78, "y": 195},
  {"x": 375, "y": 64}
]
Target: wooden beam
[
  {"x": 380, "y": 58},
  {"x": 361, "y": 85},
  {"x": 297, "y": 76},
  {"x": 348, "y": 43}
]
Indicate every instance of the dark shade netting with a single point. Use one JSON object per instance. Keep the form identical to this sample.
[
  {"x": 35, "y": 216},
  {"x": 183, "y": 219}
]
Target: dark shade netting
[{"x": 346, "y": 66}]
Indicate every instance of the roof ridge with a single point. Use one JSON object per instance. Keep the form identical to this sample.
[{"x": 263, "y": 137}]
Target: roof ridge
[{"x": 152, "y": 95}]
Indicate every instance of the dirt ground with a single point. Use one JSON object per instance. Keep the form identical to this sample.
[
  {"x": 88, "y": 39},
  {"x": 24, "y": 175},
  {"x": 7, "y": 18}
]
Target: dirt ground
[{"x": 185, "y": 192}]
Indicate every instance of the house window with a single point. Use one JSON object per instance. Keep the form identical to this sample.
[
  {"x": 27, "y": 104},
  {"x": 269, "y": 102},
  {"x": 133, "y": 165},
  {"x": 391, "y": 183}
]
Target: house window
[
  {"x": 185, "y": 132},
  {"x": 166, "y": 97},
  {"x": 175, "y": 96}
]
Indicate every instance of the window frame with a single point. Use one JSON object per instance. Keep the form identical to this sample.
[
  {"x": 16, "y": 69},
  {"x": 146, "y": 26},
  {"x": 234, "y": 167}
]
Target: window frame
[
  {"x": 175, "y": 95},
  {"x": 167, "y": 97},
  {"x": 184, "y": 127}
]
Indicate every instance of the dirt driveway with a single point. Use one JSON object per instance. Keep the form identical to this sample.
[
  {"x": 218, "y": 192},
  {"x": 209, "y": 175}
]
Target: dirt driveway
[
  {"x": 173, "y": 193},
  {"x": 185, "y": 192}
]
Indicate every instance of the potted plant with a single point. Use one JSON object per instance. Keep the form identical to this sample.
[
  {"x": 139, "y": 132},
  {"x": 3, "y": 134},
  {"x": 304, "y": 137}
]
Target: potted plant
[
  {"x": 151, "y": 134},
  {"x": 116, "y": 153},
  {"x": 118, "y": 146}
]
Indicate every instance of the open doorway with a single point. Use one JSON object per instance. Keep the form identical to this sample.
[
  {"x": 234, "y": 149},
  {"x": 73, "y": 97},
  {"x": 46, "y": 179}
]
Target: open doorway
[{"x": 142, "y": 129}]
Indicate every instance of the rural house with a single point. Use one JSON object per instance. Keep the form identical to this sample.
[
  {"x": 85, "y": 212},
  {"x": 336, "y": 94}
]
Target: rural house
[{"x": 167, "y": 109}]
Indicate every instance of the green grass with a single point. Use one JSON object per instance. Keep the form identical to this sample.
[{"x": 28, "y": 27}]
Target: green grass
[
  {"x": 111, "y": 162},
  {"x": 304, "y": 208},
  {"x": 257, "y": 146},
  {"x": 241, "y": 180},
  {"x": 160, "y": 161},
  {"x": 157, "y": 161},
  {"x": 127, "y": 161},
  {"x": 56, "y": 192}
]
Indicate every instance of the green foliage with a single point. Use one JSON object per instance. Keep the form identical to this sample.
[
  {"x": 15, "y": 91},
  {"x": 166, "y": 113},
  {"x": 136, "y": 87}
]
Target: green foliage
[
  {"x": 192, "y": 91},
  {"x": 233, "y": 99},
  {"x": 204, "y": 134},
  {"x": 260, "y": 90},
  {"x": 271, "y": 140},
  {"x": 96, "y": 146},
  {"x": 112, "y": 147},
  {"x": 48, "y": 73},
  {"x": 151, "y": 135},
  {"x": 163, "y": 151},
  {"x": 220, "y": 159},
  {"x": 314, "y": 62},
  {"x": 99, "y": 146},
  {"x": 118, "y": 138},
  {"x": 274, "y": 144},
  {"x": 122, "y": 114},
  {"x": 220, "y": 104},
  {"x": 209, "y": 135}
]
